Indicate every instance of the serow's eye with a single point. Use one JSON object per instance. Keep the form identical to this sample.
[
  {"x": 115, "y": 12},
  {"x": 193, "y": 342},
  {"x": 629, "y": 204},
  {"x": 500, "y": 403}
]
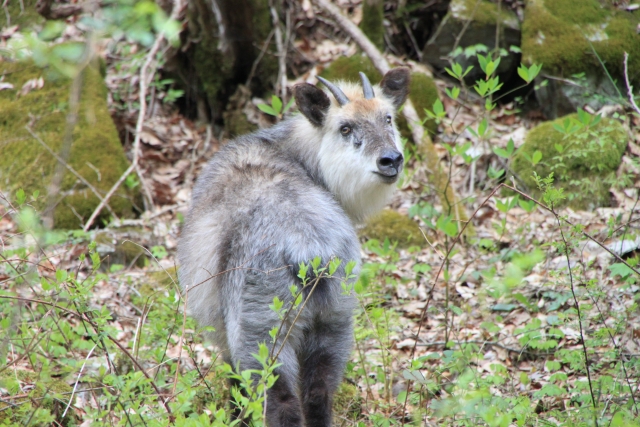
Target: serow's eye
[
  {"x": 388, "y": 119},
  {"x": 345, "y": 130}
]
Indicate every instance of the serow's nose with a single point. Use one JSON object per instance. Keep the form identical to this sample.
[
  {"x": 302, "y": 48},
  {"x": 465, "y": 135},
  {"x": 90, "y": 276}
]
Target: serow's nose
[{"x": 390, "y": 162}]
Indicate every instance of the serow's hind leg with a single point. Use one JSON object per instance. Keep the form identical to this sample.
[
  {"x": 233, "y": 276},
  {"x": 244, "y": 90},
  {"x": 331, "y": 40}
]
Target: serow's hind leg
[
  {"x": 322, "y": 365},
  {"x": 283, "y": 404}
]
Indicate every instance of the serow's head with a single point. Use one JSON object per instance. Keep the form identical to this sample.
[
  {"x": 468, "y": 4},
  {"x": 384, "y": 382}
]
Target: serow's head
[{"x": 361, "y": 153}]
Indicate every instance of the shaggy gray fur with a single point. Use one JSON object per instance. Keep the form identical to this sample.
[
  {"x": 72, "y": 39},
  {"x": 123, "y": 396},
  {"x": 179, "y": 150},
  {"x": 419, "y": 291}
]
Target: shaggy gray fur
[{"x": 260, "y": 208}]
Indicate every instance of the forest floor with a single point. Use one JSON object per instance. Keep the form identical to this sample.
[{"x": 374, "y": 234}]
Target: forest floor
[{"x": 493, "y": 312}]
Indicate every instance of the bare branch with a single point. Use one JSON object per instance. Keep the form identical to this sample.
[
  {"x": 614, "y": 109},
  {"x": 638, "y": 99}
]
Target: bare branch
[{"x": 629, "y": 87}]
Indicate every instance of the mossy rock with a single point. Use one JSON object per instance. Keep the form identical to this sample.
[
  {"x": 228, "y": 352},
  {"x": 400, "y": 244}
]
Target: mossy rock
[
  {"x": 394, "y": 226},
  {"x": 347, "y": 402},
  {"x": 589, "y": 158},
  {"x": 423, "y": 91},
  {"x": 96, "y": 152},
  {"x": 473, "y": 22},
  {"x": 43, "y": 403},
  {"x": 372, "y": 21},
  {"x": 483, "y": 12},
  {"x": 563, "y": 34}
]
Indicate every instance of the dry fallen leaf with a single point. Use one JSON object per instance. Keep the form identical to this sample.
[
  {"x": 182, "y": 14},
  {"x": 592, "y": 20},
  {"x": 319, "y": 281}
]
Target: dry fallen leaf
[{"x": 33, "y": 84}]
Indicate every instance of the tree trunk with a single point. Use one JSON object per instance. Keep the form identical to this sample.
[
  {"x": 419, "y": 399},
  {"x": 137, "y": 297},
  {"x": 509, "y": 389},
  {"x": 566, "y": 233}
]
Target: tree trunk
[{"x": 223, "y": 40}]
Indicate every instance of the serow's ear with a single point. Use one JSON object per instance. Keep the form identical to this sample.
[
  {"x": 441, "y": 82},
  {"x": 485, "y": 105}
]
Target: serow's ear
[
  {"x": 395, "y": 85},
  {"x": 312, "y": 102}
]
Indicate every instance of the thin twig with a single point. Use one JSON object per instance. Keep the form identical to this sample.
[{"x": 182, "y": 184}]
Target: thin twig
[
  {"x": 282, "y": 53},
  {"x": 75, "y": 386},
  {"x": 629, "y": 87},
  {"x": 577, "y": 304},
  {"x": 83, "y": 317}
]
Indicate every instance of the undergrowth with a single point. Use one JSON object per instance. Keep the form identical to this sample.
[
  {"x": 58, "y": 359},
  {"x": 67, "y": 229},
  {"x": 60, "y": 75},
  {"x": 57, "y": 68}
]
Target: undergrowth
[{"x": 81, "y": 344}]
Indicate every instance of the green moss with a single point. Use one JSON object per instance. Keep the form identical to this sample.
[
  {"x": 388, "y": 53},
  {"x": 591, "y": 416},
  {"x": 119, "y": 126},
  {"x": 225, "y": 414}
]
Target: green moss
[
  {"x": 576, "y": 11},
  {"x": 394, "y": 226},
  {"x": 212, "y": 68},
  {"x": 372, "y": 21},
  {"x": 423, "y": 92},
  {"x": 96, "y": 153},
  {"x": 486, "y": 12},
  {"x": 22, "y": 13},
  {"x": 347, "y": 402},
  {"x": 347, "y": 69},
  {"x": 589, "y": 158},
  {"x": 236, "y": 123},
  {"x": 562, "y": 34},
  {"x": 164, "y": 278}
]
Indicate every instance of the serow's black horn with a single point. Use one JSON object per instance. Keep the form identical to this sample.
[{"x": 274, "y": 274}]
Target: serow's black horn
[
  {"x": 336, "y": 91},
  {"x": 366, "y": 86}
]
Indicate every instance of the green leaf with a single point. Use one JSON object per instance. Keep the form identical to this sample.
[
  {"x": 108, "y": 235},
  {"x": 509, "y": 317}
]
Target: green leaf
[
  {"x": 273, "y": 333},
  {"x": 69, "y": 51},
  {"x": 537, "y": 156},
  {"x": 620, "y": 269},
  {"x": 289, "y": 104},
  {"x": 61, "y": 275},
  {"x": 495, "y": 173},
  {"x": 115, "y": 268},
  {"x": 302, "y": 271},
  {"x": 277, "y": 304},
  {"x": 453, "y": 93},
  {"x": 501, "y": 152},
  {"x": 445, "y": 224},
  {"x": 468, "y": 70},
  {"x": 504, "y": 307},
  {"x": 276, "y": 104},
  {"x": 333, "y": 265},
  {"x": 510, "y": 146},
  {"x": 438, "y": 108},
  {"x": 523, "y": 72},
  {"x": 482, "y": 127},
  {"x": 527, "y": 205},
  {"x": 416, "y": 376},
  {"x": 348, "y": 270},
  {"x": 20, "y": 196},
  {"x": 483, "y": 61},
  {"x": 52, "y": 30},
  {"x": 267, "y": 109}
]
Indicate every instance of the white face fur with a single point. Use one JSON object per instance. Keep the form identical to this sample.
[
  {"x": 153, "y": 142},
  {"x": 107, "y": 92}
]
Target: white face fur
[{"x": 349, "y": 162}]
